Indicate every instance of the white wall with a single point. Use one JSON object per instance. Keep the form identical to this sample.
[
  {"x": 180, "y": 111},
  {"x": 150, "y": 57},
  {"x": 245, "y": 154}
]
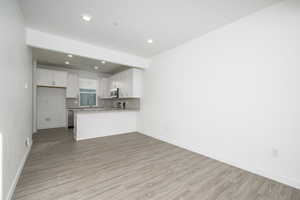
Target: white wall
[
  {"x": 15, "y": 99},
  {"x": 233, "y": 94},
  {"x": 34, "y": 91},
  {"x": 51, "y": 110}
]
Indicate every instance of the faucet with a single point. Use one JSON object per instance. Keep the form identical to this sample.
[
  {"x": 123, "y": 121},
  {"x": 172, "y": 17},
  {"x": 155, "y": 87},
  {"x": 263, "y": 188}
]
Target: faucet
[{"x": 119, "y": 105}]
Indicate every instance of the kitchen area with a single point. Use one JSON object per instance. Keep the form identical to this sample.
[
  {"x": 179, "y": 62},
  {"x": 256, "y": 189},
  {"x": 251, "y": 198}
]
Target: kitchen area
[{"x": 90, "y": 97}]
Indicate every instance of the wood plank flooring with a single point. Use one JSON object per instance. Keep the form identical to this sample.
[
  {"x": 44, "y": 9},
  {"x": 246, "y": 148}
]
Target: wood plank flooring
[{"x": 134, "y": 167}]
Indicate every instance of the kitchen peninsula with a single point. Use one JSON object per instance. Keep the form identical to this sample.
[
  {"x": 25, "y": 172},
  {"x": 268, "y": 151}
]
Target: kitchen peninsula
[{"x": 98, "y": 122}]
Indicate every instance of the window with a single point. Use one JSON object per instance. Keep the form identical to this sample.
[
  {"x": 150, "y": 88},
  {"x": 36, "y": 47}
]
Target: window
[
  {"x": 88, "y": 97},
  {"x": 88, "y": 92}
]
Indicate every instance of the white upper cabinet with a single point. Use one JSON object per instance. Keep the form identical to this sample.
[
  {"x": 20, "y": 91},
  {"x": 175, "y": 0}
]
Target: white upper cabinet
[
  {"x": 113, "y": 81},
  {"x": 44, "y": 77},
  {"x": 129, "y": 83},
  {"x": 85, "y": 83},
  {"x": 60, "y": 78},
  {"x": 72, "y": 86},
  {"x": 104, "y": 88},
  {"x": 51, "y": 78},
  {"x": 137, "y": 83}
]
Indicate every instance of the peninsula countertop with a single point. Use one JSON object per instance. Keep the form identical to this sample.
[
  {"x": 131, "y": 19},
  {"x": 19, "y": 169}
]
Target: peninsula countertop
[{"x": 100, "y": 109}]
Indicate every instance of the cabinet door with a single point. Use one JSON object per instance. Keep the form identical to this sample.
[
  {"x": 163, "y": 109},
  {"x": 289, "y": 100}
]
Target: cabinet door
[
  {"x": 104, "y": 88},
  {"x": 111, "y": 83},
  {"x": 72, "y": 85},
  {"x": 125, "y": 78},
  {"x": 60, "y": 78},
  {"x": 128, "y": 83},
  {"x": 119, "y": 83},
  {"x": 44, "y": 77},
  {"x": 100, "y": 92},
  {"x": 137, "y": 83}
]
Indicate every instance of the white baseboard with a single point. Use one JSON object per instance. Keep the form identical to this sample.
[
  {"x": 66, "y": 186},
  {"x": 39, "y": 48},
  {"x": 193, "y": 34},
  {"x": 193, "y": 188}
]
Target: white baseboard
[
  {"x": 284, "y": 180},
  {"x": 281, "y": 179},
  {"x": 17, "y": 176},
  {"x": 114, "y": 134}
]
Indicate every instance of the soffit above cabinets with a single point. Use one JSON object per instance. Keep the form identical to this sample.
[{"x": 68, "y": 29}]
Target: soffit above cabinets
[{"x": 58, "y": 59}]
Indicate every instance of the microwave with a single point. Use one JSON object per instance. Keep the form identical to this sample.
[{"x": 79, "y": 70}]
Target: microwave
[{"x": 114, "y": 93}]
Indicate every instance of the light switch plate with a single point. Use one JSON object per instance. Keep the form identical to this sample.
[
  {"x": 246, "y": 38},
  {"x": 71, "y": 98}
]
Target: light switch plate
[{"x": 27, "y": 142}]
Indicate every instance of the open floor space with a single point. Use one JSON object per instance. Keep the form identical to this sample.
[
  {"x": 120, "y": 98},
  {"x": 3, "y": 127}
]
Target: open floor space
[{"x": 134, "y": 167}]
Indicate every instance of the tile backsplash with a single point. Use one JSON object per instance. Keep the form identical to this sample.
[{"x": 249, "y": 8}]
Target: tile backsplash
[
  {"x": 72, "y": 102},
  {"x": 131, "y": 103}
]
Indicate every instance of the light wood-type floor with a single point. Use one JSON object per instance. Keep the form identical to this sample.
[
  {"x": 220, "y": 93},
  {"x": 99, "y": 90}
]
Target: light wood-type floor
[{"x": 134, "y": 167}]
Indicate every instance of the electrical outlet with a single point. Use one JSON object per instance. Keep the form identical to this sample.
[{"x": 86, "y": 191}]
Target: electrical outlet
[
  {"x": 48, "y": 119},
  {"x": 274, "y": 153}
]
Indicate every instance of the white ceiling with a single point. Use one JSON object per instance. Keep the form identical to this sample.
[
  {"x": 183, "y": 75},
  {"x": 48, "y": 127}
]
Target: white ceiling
[
  {"x": 168, "y": 22},
  {"x": 57, "y": 59}
]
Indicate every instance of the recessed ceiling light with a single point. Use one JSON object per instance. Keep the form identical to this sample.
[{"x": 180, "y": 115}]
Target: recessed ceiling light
[
  {"x": 70, "y": 55},
  {"x": 96, "y": 67},
  {"x": 149, "y": 41},
  {"x": 86, "y": 17},
  {"x": 67, "y": 62},
  {"x": 103, "y": 62}
]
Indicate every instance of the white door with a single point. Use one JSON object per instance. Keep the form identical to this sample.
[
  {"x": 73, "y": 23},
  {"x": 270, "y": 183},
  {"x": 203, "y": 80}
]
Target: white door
[{"x": 51, "y": 112}]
